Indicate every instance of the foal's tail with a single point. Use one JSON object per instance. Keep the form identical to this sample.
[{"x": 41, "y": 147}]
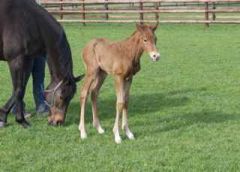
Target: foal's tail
[{"x": 89, "y": 53}]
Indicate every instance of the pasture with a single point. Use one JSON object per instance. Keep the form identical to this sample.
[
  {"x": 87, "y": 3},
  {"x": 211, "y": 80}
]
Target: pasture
[{"x": 184, "y": 110}]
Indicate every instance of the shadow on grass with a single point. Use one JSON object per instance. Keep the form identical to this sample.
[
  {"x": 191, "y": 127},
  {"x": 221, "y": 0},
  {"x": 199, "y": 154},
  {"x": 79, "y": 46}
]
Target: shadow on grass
[
  {"x": 139, "y": 104},
  {"x": 149, "y": 103},
  {"x": 180, "y": 121}
]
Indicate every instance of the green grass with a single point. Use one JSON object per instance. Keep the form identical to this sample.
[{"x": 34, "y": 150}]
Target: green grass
[{"x": 184, "y": 110}]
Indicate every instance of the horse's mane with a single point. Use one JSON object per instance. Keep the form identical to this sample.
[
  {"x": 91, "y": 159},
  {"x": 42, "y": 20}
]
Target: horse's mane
[{"x": 65, "y": 56}]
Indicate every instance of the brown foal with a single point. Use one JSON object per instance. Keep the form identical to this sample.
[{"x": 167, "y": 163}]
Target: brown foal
[{"x": 122, "y": 60}]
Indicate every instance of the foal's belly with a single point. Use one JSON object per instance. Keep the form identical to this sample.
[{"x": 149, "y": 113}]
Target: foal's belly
[{"x": 117, "y": 69}]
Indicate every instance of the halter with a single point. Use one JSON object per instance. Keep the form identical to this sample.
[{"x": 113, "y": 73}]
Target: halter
[{"x": 53, "y": 91}]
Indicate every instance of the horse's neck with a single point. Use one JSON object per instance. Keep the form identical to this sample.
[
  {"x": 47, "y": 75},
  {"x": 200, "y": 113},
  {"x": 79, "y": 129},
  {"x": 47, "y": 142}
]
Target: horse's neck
[
  {"x": 133, "y": 47},
  {"x": 58, "y": 69},
  {"x": 53, "y": 63}
]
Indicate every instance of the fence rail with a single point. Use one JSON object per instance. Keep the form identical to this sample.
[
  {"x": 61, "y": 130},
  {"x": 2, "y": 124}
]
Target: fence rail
[{"x": 131, "y": 11}]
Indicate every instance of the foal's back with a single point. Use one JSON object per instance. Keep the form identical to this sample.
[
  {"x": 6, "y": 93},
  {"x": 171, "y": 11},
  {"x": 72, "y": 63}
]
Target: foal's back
[{"x": 111, "y": 57}]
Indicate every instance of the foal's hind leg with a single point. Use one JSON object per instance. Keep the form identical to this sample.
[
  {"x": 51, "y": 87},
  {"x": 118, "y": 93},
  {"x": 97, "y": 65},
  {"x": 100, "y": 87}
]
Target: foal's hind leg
[
  {"x": 83, "y": 100},
  {"x": 94, "y": 95}
]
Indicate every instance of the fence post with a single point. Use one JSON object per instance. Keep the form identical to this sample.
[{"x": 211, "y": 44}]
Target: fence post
[
  {"x": 206, "y": 14},
  {"x": 106, "y": 8},
  {"x": 157, "y": 8},
  {"x": 141, "y": 13},
  {"x": 83, "y": 13},
  {"x": 61, "y": 9},
  {"x": 214, "y": 14}
]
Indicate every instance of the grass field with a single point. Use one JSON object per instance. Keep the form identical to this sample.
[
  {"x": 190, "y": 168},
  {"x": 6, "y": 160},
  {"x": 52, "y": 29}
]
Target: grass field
[{"x": 184, "y": 110}]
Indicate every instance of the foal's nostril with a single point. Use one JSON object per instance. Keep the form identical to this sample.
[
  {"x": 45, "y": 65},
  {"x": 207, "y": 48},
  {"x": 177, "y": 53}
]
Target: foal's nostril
[{"x": 154, "y": 55}]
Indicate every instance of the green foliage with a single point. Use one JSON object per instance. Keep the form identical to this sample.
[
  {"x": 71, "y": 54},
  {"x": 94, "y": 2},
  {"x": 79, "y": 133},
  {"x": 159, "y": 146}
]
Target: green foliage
[{"x": 184, "y": 109}]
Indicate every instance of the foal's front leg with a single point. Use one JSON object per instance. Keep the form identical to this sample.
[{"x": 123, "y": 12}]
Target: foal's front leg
[
  {"x": 119, "y": 84},
  {"x": 125, "y": 127}
]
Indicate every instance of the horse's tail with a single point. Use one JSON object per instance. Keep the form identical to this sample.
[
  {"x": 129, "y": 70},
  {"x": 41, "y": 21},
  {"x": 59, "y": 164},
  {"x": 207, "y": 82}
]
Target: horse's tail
[{"x": 79, "y": 78}]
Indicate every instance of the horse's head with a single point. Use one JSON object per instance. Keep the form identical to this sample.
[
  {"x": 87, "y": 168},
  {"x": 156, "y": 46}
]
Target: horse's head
[
  {"x": 148, "y": 40},
  {"x": 58, "y": 96}
]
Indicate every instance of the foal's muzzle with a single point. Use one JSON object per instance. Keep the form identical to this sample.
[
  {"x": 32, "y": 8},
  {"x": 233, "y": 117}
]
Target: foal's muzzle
[{"x": 155, "y": 56}]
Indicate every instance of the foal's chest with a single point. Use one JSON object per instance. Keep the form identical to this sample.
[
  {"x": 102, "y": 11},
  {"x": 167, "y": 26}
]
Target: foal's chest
[{"x": 131, "y": 68}]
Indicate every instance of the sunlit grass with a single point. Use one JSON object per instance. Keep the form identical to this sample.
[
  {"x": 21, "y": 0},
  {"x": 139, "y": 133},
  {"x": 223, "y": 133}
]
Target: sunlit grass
[{"x": 184, "y": 110}]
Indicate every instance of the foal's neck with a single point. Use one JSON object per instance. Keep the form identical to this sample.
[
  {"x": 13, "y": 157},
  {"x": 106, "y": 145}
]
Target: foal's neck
[{"x": 133, "y": 46}]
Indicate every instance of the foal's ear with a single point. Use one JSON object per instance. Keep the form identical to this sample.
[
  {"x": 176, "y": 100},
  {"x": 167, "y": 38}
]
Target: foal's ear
[
  {"x": 139, "y": 27},
  {"x": 154, "y": 27},
  {"x": 78, "y": 78}
]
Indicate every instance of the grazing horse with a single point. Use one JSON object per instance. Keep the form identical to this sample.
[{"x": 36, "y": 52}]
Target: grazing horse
[
  {"x": 26, "y": 31},
  {"x": 122, "y": 60}
]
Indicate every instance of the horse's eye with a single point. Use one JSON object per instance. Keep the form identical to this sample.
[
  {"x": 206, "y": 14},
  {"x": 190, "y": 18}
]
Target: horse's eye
[{"x": 145, "y": 40}]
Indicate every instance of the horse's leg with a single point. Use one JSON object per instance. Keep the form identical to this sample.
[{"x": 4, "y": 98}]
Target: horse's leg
[
  {"x": 8, "y": 106},
  {"x": 127, "y": 85},
  {"x": 83, "y": 99},
  {"x": 94, "y": 95},
  {"x": 4, "y": 111},
  {"x": 20, "y": 69},
  {"x": 119, "y": 85}
]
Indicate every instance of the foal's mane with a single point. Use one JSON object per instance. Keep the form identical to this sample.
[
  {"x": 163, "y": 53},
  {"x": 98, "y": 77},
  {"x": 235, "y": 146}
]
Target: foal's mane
[{"x": 132, "y": 44}]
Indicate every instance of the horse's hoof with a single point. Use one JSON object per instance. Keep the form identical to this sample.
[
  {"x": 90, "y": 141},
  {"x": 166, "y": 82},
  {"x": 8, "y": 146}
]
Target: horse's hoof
[
  {"x": 2, "y": 124},
  {"x": 101, "y": 130},
  {"x": 118, "y": 140},
  {"x": 83, "y": 135},
  {"x": 24, "y": 123},
  {"x": 130, "y": 135}
]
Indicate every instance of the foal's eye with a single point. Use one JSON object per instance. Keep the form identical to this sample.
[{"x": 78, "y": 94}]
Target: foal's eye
[{"x": 145, "y": 40}]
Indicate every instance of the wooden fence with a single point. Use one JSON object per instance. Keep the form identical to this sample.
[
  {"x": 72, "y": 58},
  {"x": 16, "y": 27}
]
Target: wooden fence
[{"x": 150, "y": 11}]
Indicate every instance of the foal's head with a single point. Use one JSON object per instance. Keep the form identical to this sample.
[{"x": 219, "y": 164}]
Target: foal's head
[{"x": 148, "y": 40}]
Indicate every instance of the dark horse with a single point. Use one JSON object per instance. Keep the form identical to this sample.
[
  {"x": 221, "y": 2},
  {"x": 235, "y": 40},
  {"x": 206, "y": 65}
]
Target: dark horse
[{"x": 28, "y": 30}]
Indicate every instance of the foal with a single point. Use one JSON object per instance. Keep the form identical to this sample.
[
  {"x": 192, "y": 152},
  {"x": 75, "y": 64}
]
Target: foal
[{"x": 122, "y": 60}]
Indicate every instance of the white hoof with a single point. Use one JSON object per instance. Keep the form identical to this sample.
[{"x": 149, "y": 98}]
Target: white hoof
[
  {"x": 130, "y": 136},
  {"x": 118, "y": 140},
  {"x": 83, "y": 135},
  {"x": 100, "y": 130}
]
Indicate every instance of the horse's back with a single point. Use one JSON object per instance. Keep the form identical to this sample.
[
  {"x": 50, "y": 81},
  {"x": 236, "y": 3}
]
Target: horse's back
[{"x": 24, "y": 28}]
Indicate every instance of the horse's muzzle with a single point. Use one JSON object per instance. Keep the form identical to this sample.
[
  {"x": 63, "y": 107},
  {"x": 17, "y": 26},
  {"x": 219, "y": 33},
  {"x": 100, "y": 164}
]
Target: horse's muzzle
[
  {"x": 56, "y": 117},
  {"x": 155, "y": 56}
]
